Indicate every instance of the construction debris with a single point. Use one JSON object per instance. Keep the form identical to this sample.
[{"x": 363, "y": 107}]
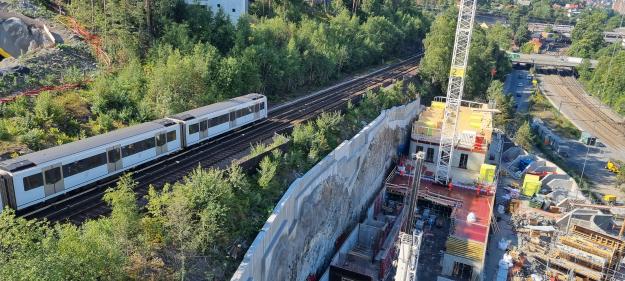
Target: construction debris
[
  {"x": 42, "y": 52},
  {"x": 20, "y": 35}
]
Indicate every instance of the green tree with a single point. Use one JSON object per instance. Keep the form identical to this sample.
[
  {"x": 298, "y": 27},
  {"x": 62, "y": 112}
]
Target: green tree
[
  {"x": 501, "y": 35},
  {"x": 266, "y": 172},
  {"x": 438, "y": 46},
  {"x": 587, "y": 36},
  {"x": 180, "y": 82},
  {"x": 524, "y": 136},
  {"x": 504, "y": 104}
]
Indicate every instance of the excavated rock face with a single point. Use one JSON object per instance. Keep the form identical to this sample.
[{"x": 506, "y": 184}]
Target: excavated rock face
[
  {"x": 18, "y": 37},
  {"x": 334, "y": 205}
]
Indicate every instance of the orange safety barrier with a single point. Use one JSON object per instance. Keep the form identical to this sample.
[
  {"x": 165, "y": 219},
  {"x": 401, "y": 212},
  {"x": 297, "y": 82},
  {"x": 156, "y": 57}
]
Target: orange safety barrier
[
  {"x": 35, "y": 92},
  {"x": 91, "y": 38}
]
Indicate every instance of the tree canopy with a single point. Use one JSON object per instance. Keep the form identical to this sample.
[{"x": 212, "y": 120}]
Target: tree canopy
[{"x": 587, "y": 35}]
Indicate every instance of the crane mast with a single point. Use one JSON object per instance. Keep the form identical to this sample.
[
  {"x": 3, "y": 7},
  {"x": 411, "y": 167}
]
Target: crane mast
[{"x": 459, "y": 59}]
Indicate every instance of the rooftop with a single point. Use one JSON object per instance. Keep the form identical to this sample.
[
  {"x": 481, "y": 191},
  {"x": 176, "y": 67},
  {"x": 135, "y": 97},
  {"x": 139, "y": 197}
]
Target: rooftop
[{"x": 474, "y": 128}]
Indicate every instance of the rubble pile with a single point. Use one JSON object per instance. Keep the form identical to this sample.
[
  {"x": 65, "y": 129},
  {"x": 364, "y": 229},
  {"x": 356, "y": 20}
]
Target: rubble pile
[
  {"x": 42, "y": 53},
  {"x": 20, "y": 35}
]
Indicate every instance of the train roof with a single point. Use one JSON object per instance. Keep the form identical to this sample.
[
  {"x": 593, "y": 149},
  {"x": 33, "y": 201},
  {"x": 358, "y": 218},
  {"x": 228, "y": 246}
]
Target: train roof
[
  {"x": 215, "y": 107},
  {"x": 50, "y": 154}
]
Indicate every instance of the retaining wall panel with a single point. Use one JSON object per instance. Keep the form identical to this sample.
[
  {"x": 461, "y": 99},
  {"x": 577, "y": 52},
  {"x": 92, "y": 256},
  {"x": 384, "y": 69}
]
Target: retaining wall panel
[{"x": 298, "y": 238}]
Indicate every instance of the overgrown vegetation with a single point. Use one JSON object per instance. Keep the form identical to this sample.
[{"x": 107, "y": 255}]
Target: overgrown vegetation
[
  {"x": 172, "y": 57},
  {"x": 487, "y": 62},
  {"x": 196, "y": 229},
  {"x": 606, "y": 81},
  {"x": 540, "y": 107}
]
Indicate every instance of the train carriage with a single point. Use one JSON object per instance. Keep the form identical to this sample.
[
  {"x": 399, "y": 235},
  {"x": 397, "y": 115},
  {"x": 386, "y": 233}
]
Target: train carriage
[
  {"x": 37, "y": 177},
  {"x": 45, "y": 174},
  {"x": 215, "y": 119}
]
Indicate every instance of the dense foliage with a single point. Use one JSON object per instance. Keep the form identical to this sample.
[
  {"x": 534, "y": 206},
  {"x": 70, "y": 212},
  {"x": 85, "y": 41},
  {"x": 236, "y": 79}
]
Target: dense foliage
[
  {"x": 197, "y": 229},
  {"x": 169, "y": 57},
  {"x": 587, "y": 35},
  {"x": 606, "y": 81},
  {"x": 487, "y": 61}
]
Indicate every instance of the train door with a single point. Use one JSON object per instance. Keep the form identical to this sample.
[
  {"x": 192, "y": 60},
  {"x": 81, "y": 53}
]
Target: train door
[
  {"x": 53, "y": 180},
  {"x": 114, "y": 158},
  {"x": 233, "y": 119},
  {"x": 203, "y": 128},
  {"x": 257, "y": 111},
  {"x": 7, "y": 197},
  {"x": 161, "y": 143}
]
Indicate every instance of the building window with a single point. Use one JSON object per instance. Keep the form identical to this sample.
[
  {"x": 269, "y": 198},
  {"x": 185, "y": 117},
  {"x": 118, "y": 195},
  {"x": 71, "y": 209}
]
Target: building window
[
  {"x": 218, "y": 5},
  {"x": 234, "y": 10},
  {"x": 462, "y": 271},
  {"x": 429, "y": 156},
  {"x": 419, "y": 149},
  {"x": 464, "y": 159}
]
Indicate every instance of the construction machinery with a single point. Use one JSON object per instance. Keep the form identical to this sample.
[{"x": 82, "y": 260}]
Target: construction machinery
[
  {"x": 455, "y": 88},
  {"x": 614, "y": 166}
]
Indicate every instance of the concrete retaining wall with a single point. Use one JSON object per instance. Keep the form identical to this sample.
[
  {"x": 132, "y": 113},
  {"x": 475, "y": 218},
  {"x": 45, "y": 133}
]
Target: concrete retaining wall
[{"x": 299, "y": 237}]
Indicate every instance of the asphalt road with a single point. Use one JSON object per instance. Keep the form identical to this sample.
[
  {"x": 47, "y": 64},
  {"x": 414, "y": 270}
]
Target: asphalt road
[
  {"x": 589, "y": 159},
  {"x": 520, "y": 88}
]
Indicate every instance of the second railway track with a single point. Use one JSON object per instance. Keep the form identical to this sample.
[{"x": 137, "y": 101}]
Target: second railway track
[{"x": 88, "y": 204}]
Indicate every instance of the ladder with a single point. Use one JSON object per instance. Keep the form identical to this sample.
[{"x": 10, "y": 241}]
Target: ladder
[{"x": 459, "y": 59}]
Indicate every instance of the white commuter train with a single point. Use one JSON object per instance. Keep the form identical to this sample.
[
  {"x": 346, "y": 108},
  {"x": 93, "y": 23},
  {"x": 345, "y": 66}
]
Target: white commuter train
[{"x": 34, "y": 178}]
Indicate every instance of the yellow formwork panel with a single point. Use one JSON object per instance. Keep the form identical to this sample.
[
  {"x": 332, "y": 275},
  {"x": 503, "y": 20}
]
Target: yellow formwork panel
[
  {"x": 438, "y": 105},
  {"x": 531, "y": 185},
  {"x": 487, "y": 173},
  {"x": 467, "y": 249}
]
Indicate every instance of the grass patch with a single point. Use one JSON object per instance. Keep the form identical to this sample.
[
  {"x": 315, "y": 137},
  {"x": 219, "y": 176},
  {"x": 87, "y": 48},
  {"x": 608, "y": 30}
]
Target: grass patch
[{"x": 541, "y": 108}]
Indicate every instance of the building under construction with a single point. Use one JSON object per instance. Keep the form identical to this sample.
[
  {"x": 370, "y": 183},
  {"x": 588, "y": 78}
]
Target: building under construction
[{"x": 455, "y": 217}]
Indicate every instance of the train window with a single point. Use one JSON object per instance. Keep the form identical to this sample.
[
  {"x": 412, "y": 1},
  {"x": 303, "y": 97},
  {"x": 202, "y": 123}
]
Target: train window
[
  {"x": 129, "y": 149},
  {"x": 223, "y": 119},
  {"x": 84, "y": 165},
  {"x": 34, "y": 181},
  {"x": 161, "y": 140},
  {"x": 53, "y": 175},
  {"x": 262, "y": 105},
  {"x": 233, "y": 116},
  {"x": 257, "y": 107},
  {"x": 137, "y": 147},
  {"x": 194, "y": 128},
  {"x": 203, "y": 125},
  {"x": 250, "y": 110},
  {"x": 171, "y": 136}
]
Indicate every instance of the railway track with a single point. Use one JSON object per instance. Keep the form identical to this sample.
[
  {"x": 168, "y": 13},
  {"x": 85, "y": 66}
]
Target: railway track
[
  {"x": 587, "y": 115},
  {"x": 88, "y": 204}
]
